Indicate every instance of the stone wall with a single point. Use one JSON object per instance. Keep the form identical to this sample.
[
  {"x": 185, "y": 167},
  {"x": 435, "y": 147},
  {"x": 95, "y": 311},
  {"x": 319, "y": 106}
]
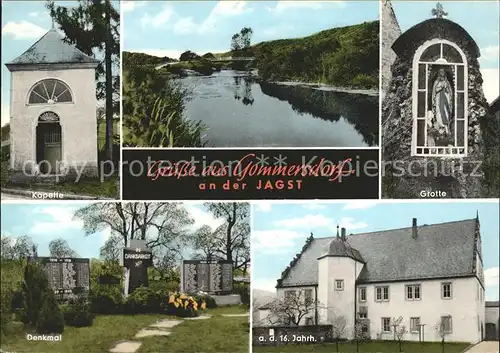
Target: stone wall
[
  {"x": 390, "y": 32},
  {"x": 470, "y": 177},
  {"x": 278, "y": 335}
]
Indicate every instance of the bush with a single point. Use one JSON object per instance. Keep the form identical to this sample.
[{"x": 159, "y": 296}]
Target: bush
[
  {"x": 183, "y": 305},
  {"x": 243, "y": 290},
  {"x": 50, "y": 319},
  {"x": 209, "y": 301},
  {"x": 35, "y": 289},
  {"x": 365, "y": 81},
  {"x": 146, "y": 300},
  {"x": 104, "y": 304},
  {"x": 77, "y": 312}
]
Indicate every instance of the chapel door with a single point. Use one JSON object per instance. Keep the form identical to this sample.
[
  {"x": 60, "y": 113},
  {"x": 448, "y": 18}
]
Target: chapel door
[{"x": 49, "y": 147}]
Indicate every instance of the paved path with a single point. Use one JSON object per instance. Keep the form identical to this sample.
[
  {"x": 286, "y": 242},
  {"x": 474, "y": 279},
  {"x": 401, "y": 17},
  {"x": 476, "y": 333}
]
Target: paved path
[
  {"x": 160, "y": 328},
  {"x": 484, "y": 347}
]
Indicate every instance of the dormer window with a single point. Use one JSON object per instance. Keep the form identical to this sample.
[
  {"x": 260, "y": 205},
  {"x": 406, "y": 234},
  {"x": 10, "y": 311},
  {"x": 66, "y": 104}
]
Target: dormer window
[{"x": 439, "y": 100}]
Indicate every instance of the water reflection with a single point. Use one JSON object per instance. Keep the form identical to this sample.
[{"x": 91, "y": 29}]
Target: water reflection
[
  {"x": 241, "y": 112},
  {"x": 243, "y": 92}
]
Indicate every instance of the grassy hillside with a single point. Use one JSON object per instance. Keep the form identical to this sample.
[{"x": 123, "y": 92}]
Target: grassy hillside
[{"x": 345, "y": 57}]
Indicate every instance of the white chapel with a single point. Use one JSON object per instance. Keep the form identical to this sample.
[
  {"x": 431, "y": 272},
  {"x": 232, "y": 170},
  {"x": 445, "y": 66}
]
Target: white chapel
[{"x": 53, "y": 110}]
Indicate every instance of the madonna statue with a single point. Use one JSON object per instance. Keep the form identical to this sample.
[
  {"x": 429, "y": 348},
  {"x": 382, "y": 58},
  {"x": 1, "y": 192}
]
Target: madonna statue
[{"x": 442, "y": 103}]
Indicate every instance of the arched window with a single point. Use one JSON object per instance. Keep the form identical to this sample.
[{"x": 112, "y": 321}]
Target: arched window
[
  {"x": 50, "y": 91},
  {"x": 439, "y": 100}
]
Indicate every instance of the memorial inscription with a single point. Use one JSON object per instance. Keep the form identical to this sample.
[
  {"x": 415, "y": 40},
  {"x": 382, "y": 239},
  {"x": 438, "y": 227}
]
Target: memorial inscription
[
  {"x": 207, "y": 276},
  {"x": 67, "y": 276}
]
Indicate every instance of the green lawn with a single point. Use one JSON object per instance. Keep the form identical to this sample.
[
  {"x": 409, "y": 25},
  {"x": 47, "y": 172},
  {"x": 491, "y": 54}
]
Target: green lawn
[
  {"x": 91, "y": 187},
  {"x": 366, "y": 347},
  {"x": 217, "y": 334},
  {"x": 100, "y": 337}
]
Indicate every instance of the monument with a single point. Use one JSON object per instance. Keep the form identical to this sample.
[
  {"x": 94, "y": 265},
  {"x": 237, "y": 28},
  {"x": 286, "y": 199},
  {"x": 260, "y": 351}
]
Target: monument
[
  {"x": 435, "y": 118},
  {"x": 213, "y": 277},
  {"x": 69, "y": 277},
  {"x": 53, "y": 124},
  {"x": 136, "y": 259}
]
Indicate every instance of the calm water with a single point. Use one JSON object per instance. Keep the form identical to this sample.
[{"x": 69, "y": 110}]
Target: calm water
[{"x": 240, "y": 112}]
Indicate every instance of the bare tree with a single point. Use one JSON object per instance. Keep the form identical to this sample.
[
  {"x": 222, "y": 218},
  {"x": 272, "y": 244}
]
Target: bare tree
[
  {"x": 359, "y": 334},
  {"x": 292, "y": 308},
  {"x": 207, "y": 242},
  {"x": 160, "y": 224},
  {"x": 400, "y": 330},
  {"x": 443, "y": 329},
  {"x": 15, "y": 248},
  {"x": 60, "y": 248},
  {"x": 231, "y": 239},
  {"x": 338, "y": 330}
]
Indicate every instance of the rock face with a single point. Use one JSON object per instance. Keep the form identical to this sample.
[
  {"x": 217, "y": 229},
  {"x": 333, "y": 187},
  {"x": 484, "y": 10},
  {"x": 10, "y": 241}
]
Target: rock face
[
  {"x": 407, "y": 176},
  {"x": 390, "y": 32}
]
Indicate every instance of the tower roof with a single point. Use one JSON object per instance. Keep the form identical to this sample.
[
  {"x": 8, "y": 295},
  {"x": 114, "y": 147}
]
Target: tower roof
[
  {"x": 340, "y": 247},
  {"x": 52, "y": 49}
]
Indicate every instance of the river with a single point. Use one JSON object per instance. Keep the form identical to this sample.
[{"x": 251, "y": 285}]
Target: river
[{"x": 241, "y": 112}]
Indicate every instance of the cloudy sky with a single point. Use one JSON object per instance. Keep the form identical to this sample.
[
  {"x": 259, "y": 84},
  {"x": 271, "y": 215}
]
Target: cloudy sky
[
  {"x": 23, "y": 23},
  {"x": 44, "y": 222},
  {"x": 280, "y": 230},
  {"x": 480, "y": 18},
  {"x": 168, "y": 29}
]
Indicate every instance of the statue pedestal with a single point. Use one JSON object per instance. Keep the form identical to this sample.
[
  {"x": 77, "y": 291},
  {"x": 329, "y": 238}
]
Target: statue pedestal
[{"x": 230, "y": 299}]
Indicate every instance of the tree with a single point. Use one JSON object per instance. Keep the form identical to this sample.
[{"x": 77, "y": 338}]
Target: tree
[
  {"x": 231, "y": 239},
  {"x": 339, "y": 325},
  {"x": 111, "y": 250},
  {"x": 17, "y": 248},
  {"x": 162, "y": 224},
  {"x": 442, "y": 329},
  {"x": 60, "y": 248},
  {"x": 206, "y": 241},
  {"x": 359, "y": 334},
  {"x": 240, "y": 42},
  {"x": 400, "y": 330},
  {"x": 292, "y": 308},
  {"x": 94, "y": 27},
  {"x": 188, "y": 55}
]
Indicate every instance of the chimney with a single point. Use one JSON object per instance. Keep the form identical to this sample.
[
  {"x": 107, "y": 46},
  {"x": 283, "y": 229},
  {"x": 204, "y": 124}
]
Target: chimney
[
  {"x": 414, "y": 229},
  {"x": 342, "y": 234}
]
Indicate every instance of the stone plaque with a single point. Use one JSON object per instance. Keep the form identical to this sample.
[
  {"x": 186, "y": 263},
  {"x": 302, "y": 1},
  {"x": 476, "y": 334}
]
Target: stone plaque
[
  {"x": 67, "y": 276},
  {"x": 136, "y": 259},
  {"x": 207, "y": 276}
]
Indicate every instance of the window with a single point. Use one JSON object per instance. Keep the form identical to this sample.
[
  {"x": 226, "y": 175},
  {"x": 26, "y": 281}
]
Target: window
[
  {"x": 339, "y": 284},
  {"x": 415, "y": 324},
  {"x": 309, "y": 321},
  {"x": 308, "y": 296},
  {"x": 446, "y": 290},
  {"x": 413, "y": 292},
  {"x": 363, "y": 312},
  {"x": 381, "y": 294},
  {"x": 446, "y": 324},
  {"x": 50, "y": 91},
  {"x": 290, "y": 294},
  {"x": 386, "y": 324},
  {"x": 362, "y": 294},
  {"x": 440, "y": 100}
]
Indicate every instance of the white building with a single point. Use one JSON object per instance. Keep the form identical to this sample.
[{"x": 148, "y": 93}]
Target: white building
[
  {"x": 492, "y": 320},
  {"x": 53, "y": 110},
  {"x": 430, "y": 275}
]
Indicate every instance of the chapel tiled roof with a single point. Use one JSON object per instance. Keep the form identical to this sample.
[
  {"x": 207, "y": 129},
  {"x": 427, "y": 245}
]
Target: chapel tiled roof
[
  {"x": 439, "y": 250},
  {"x": 52, "y": 49}
]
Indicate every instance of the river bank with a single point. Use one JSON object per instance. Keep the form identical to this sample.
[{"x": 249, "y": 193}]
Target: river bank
[{"x": 253, "y": 74}]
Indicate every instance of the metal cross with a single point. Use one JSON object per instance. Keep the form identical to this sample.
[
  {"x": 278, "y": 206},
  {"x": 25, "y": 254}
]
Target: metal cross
[{"x": 438, "y": 12}]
